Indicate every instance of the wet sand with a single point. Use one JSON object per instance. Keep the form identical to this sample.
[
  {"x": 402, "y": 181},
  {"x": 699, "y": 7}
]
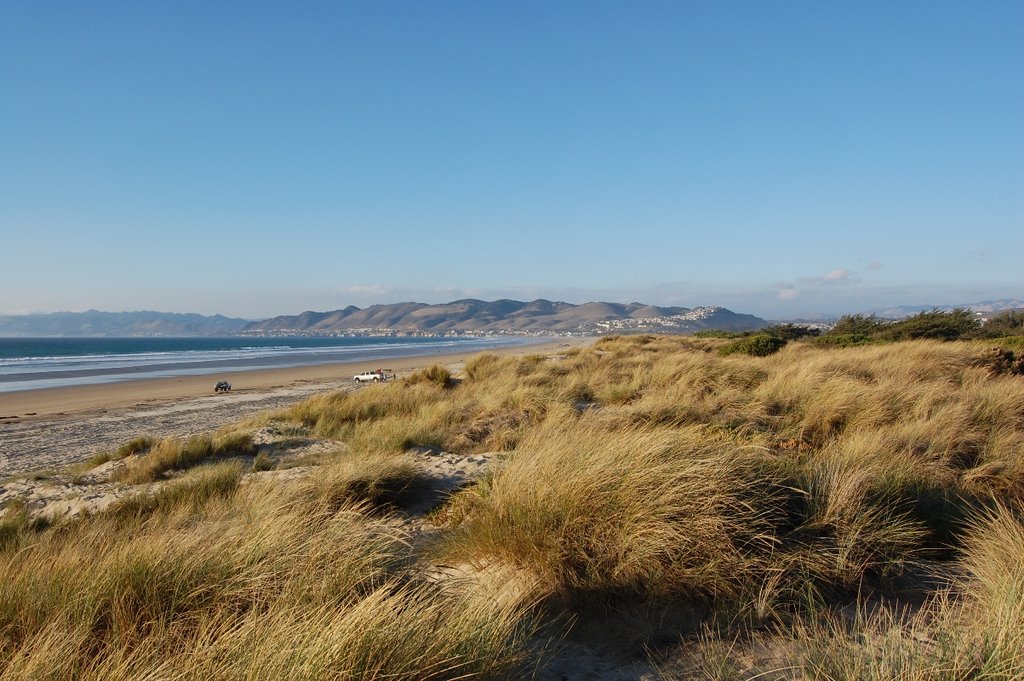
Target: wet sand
[{"x": 54, "y": 427}]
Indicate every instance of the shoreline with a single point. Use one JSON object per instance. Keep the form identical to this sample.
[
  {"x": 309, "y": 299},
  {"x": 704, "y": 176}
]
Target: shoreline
[
  {"x": 62, "y": 371},
  {"x": 50, "y": 428},
  {"x": 39, "y": 403}
]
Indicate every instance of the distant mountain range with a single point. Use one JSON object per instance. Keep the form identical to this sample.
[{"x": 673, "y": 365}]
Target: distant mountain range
[
  {"x": 500, "y": 316},
  {"x": 469, "y": 315},
  {"x": 96, "y": 323},
  {"x": 542, "y": 316}
]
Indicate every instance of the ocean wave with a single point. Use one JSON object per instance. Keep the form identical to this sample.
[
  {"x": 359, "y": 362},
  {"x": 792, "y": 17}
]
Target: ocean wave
[{"x": 102, "y": 367}]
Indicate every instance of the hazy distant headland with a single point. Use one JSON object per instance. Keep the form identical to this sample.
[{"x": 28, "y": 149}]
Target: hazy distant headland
[
  {"x": 541, "y": 317},
  {"x": 467, "y": 316},
  {"x": 118, "y": 324}
]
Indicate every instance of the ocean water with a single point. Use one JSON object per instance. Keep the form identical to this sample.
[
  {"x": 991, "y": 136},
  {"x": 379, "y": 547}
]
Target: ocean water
[{"x": 30, "y": 363}]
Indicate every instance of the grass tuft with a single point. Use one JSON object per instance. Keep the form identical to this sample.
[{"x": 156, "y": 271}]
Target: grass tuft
[
  {"x": 172, "y": 455},
  {"x": 436, "y": 374},
  {"x": 263, "y": 462},
  {"x": 192, "y": 491},
  {"x": 377, "y": 482}
]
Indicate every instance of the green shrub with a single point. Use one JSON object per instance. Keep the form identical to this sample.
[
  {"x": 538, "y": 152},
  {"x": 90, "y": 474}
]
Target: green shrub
[
  {"x": 760, "y": 345},
  {"x": 859, "y": 329},
  {"x": 843, "y": 340},
  {"x": 857, "y": 325},
  {"x": 1006, "y": 324},
  {"x": 716, "y": 333},
  {"x": 786, "y": 332},
  {"x": 790, "y": 332},
  {"x": 936, "y": 324}
]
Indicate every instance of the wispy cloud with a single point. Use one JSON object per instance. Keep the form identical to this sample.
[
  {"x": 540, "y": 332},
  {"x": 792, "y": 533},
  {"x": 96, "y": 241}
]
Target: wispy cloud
[
  {"x": 791, "y": 290},
  {"x": 790, "y": 293},
  {"x": 840, "y": 275},
  {"x": 364, "y": 290}
]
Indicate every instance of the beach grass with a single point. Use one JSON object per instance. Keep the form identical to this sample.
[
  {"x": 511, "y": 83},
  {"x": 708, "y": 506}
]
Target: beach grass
[
  {"x": 168, "y": 455},
  {"x": 206, "y": 579},
  {"x": 819, "y": 512}
]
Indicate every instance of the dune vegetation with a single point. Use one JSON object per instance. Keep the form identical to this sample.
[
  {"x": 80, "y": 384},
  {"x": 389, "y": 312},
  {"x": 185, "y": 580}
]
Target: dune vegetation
[{"x": 818, "y": 512}]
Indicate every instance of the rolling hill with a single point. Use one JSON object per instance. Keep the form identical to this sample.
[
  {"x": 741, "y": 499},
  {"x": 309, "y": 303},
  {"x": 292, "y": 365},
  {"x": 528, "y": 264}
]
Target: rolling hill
[{"x": 471, "y": 315}]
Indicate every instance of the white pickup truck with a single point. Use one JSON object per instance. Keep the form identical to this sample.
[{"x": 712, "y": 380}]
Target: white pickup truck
[{"x": 373, "y": 376}]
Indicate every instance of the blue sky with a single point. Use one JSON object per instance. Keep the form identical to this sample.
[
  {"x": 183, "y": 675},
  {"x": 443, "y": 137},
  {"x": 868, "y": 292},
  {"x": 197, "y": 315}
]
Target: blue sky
[{"x": 256, "y": 158}]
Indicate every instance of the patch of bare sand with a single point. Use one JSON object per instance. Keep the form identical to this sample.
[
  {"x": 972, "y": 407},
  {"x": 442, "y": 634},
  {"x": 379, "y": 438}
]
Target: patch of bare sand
[{"x": 58, "y": 442}]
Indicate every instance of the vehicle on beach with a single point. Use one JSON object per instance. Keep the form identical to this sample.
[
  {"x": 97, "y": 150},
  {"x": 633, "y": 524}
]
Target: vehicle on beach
[
  {"x": 378, "y": 376},
  {"x": 222, "y": 386}
]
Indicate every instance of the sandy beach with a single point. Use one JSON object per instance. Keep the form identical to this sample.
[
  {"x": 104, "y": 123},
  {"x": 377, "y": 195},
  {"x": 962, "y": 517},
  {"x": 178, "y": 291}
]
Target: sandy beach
[{"x": 54, "y": 427}]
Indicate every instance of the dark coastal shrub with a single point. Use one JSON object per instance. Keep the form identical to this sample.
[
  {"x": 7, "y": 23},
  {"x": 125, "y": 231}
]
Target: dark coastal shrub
[
  {"x": 852, "y": 330},
  {"x": 844, "y": 340},
  {"x": 857, "y": 325},
  {"x": 760, "y": 345},
  {"x": 718, "y": 333},
  {"x": 936, "y": 324},
  {"x": 789, "y": 332},
  {"x": 786, "y": 332},
  {"x": 1006, "y": 324}
]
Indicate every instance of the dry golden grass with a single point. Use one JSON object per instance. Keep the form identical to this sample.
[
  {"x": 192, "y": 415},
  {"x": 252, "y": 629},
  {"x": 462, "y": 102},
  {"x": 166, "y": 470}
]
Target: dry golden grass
[
  {"x": 869, "y": 458},
  {"x": 256, "y": 582},
  {"x": 192, "y": 491},
  {"x": 171, "y": 455},
  {"x": 767, "y": 494},
  {"x": 378, "y": 482},
  {"x": 973, "y": 630},
  {"x": 654, "y": 513}
]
